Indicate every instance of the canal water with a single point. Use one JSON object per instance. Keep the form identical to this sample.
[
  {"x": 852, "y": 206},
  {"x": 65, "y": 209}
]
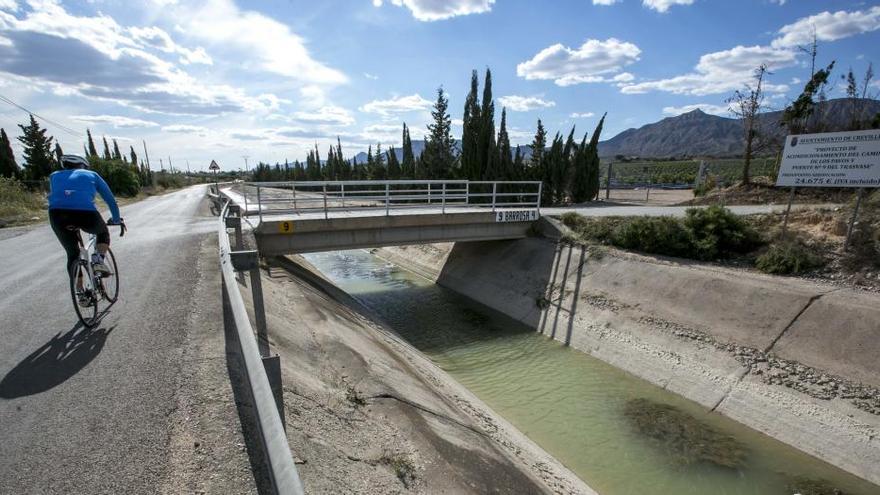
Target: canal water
[{"x": 620, "y": 434}]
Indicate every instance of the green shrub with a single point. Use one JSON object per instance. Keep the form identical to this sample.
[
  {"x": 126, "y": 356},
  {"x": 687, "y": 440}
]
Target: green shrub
[
  {"x": 17, "y": 203},
  {"x": 121, "y": 177},
  {"x": 717, "y": 232},
  {"x": 595, "y": 229},
  {"x": 788, "y": 258},
  {"x": 657, "y": 235},
  {"x": 169, "y": 181}
]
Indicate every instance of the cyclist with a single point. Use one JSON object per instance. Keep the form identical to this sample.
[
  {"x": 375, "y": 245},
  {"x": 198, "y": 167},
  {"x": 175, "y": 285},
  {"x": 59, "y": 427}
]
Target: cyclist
[{"x": 72, "y": 207}]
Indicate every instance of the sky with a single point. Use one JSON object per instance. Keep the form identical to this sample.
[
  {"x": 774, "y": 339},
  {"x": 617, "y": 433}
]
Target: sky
[{"x": 227, "y": 79}]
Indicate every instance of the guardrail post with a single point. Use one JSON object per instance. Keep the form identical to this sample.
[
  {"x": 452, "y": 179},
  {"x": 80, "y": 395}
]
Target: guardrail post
[
  {"x": 325, "y": 202},
  {"x": 388, "y": 198},
  {"x": 293, "y": 188},
  {"x": 244, "y": 193},
  {"x": 443, "y": 198},
  {"x": 467, "y": 193},
  {"x": 494, "y": 191},
  {"x": 249, "y": 261},
  {"x": 235, "y": 223},
  {"x": 608, "y": 183},
  {"x": 272, "y": 365},
  {"x": 259, "y": 204},
  {"x": 343, "y": 195},
  {"x": 429, "y": 193}
]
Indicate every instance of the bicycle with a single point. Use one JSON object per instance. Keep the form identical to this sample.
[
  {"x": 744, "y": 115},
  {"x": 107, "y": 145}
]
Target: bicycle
[{"x": 86, "y": 286}]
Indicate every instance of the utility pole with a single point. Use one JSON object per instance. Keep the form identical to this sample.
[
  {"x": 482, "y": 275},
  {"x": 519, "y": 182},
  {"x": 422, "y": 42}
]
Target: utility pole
[
  {"x": 170, "y": 165},
  {"x": 246, "y": 167},
  {"x": 161, "y": 165}
]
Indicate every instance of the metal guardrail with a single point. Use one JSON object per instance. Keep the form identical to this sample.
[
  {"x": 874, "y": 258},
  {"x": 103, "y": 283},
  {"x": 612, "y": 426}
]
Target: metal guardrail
[
  {"x": 328, "y": 196},
  {"x": 282, "y": 470}
]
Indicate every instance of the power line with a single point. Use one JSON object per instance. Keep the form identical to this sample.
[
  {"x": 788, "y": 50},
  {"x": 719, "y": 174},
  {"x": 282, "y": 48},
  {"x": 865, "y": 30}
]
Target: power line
[{"x": 44, "y": 119}]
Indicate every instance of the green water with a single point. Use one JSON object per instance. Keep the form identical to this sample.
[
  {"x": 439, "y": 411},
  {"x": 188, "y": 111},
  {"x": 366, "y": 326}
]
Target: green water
[{"x": 569, "y": 403}]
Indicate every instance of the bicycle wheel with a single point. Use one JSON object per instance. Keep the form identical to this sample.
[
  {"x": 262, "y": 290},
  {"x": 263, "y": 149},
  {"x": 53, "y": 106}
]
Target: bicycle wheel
[
  {"x": 87, "y": 313},
  {"x": 109, "y": 286}
]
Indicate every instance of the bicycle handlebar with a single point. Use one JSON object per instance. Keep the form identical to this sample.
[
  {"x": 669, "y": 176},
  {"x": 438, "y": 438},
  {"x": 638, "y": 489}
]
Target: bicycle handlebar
[{"x": 121, "y": 225}]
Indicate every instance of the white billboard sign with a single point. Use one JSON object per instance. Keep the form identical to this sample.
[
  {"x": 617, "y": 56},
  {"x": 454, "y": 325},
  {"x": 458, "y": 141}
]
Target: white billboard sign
[{"x": 834, "y": 159}]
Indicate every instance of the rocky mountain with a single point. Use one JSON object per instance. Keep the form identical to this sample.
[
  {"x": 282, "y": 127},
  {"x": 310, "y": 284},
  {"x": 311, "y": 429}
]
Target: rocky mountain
[{"x": 698, "y": 134}]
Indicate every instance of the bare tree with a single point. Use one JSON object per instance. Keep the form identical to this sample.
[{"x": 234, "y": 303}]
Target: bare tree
[
  {"x": 812, "y": 50},
  {"x": 747, "y": 105}
]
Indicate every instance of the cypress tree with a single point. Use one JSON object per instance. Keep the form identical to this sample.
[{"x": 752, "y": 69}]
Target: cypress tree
[
  {"x": 393, "y": 165},
  {"x": 408, "y": 168},
  {"x": 536, "y": 163},
  {"x": 550, "y": 162},
  {"x": 470, "y": 134},
  {"x": 38, "y": 158},
  {"x": 377, "y": 171},
  {"x": 580, "y": 187},
  {"x": 93, "y": 152},
  {"x": 107, "y": 155},
  {"x": 345, "y": 169},
  {"x": 593, "y": 162},
  {"x": 116, "y": 154},
  {"x": 486, "y": 146},
  {"x": 518, "y": 172},
  {"x": 58, "y": 154},
  {"x": 505, "y": 163},
  {"x": 439, "y": 154},
  {"x": 8, "y": 167}
]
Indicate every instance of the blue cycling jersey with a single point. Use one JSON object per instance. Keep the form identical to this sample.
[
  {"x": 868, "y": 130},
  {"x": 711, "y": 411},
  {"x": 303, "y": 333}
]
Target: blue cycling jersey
[{"x": 75, "y": 190}]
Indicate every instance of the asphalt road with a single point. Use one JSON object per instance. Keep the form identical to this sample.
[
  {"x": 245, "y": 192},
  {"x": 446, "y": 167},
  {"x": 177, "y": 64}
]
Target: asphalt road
[{"x": 90, "y": 411}]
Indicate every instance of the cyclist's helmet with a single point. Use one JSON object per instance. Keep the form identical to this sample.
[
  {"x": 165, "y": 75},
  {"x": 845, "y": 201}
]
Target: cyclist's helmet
[{"x": 74, "y": 161}]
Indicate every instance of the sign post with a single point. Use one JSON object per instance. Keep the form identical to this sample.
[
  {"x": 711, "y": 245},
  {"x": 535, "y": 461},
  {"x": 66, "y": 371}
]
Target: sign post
[
  {"x": 833, "y": 159},
  {"x": 214, "y": 168}
]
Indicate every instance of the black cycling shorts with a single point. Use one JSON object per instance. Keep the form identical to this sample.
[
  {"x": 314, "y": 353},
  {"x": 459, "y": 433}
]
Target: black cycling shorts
[{"x": 90, "y": 221}]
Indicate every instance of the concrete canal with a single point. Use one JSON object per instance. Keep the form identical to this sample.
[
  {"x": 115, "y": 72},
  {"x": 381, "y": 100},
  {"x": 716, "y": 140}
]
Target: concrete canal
[{"x": 620, "y": 434}]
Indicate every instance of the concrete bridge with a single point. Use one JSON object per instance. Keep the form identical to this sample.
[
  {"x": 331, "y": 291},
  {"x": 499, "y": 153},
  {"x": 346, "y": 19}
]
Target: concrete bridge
[{"x": 302, "y": 217}]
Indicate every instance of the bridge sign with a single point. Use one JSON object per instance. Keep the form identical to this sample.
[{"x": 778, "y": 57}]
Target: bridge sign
[
  {"x": 833, "y": 159},
  {"x": 213, "y": 166},
  {"x": 516, "y": 216}
]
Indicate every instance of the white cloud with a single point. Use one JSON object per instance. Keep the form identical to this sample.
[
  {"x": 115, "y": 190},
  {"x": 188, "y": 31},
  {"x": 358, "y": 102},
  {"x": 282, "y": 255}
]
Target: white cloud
[
  {"x": 583, "y": 115},
  {"x": 114, "y": 120},
  {"x": 438, "y": 10},
  {"x": 721, "y": 72},
  {"x": 328, "y": 115},
  {"x": 371, "y": 76},
  {"x": 400, "y": 104},
  {"x": 158, "y": 38},
  {"x": 97, "y": 58},
  {"x": 605, "y": 2},
  {"x": 525, "y": 103},
  {"x": 663, "y": 6},
  {"x": 706, "y": 107},
  {"x": 250, "y": 35},
  {"x": 591, "y": 62},
  {"x": 184, "y": 129},
  {"x": 828, "y": 27},
  {"x": 10, "y": 5}
]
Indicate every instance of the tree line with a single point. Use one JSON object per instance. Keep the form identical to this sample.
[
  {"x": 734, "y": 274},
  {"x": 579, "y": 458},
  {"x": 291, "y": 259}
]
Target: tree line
[
  {"x": 125, "y": 173},
  {"x": 567, "y": 166}
]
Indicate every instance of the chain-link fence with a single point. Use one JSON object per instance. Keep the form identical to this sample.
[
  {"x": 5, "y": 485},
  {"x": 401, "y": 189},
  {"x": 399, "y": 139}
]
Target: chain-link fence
[{"x": 671, "y": 181}]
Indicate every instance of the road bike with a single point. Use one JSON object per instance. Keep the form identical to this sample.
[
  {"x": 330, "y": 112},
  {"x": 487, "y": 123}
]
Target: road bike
[{"x": 91, "y": 291}]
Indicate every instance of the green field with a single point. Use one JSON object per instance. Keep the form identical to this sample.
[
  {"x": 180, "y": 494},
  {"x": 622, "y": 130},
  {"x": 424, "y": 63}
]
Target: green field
[{"x": 725, "y": 171}]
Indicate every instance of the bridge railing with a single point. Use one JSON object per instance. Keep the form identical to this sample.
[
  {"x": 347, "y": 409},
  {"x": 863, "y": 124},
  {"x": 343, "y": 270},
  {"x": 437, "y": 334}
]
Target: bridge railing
[{"x": 278, "y": 198}]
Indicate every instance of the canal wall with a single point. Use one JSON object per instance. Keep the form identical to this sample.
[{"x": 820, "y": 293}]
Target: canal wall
[
  {"x": 367, "y": 412},
  {"x": 793, "y": 359}
]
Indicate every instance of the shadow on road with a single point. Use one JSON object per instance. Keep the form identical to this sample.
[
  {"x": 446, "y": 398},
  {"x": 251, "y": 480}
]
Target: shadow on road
[{"x": 54, "y": 362}]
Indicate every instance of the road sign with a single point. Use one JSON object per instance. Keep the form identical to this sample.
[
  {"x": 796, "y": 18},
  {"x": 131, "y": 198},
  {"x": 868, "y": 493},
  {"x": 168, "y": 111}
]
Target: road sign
[
  {"x": 834, "y": 159},
  {"x": 285, "y": 227},
  {"x": 213, "y": 166},
  {"x": 516, "y": 216}
]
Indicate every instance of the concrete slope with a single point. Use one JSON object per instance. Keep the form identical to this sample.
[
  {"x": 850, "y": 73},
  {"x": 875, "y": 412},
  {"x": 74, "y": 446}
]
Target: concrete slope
[{"x": 93, "y": 411}]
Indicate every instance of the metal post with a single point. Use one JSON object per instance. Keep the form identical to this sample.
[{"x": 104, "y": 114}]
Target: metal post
[
  {"x": 293, "y": 187},
  {"x": 787, "y": 210},
  {"x": 647, "y": 192},
  {"x": 467, "y": 193},
  {"x": 443, "y": 198},
  {"x": 343, "y": 195},
  {"x": 429, "y": 193},
  {"x": 387, "y": 198},
  {"x": 235, "y": 223},
  {"x": 325, "y": 202},
  {"x": 494, "y": 191},
  {"x": 852, "y": 221},
  {"x": 608, "y": 183},
  {"x": 259, "y": 204},
  {"x": 244, "y": 192},
  {"x": 249, "y": 261},
  {"x": 538, "y": 201}
]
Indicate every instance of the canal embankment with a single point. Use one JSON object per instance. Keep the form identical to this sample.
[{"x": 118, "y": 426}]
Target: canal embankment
[
  {"x": 795, "y": 360},
  {"x": 368, "y": 413}
]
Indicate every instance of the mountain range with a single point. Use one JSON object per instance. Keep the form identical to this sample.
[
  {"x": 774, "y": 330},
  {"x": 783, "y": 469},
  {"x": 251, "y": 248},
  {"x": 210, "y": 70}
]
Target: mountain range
[{"x": 696, "y": 134}]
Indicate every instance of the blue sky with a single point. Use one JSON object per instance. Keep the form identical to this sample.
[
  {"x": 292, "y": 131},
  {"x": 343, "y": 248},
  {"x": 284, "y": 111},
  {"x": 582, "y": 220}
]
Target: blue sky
[{"x": 223, "y": 79}]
